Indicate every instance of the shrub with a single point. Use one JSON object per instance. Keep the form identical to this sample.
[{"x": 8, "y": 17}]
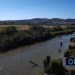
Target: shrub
[
  {"x": 46, "y": 64},
  {"x": 57, "y": 67},
  {"x": 72, "y": 72},
  {"x": 54, "y": 67},
  {"x": 10, "y": 30},
  {"x": 67, "y": 53}
]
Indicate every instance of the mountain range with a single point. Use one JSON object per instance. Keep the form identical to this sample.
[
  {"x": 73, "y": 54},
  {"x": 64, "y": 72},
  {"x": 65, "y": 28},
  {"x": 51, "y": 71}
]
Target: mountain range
[{"x": 39, "y": 21}]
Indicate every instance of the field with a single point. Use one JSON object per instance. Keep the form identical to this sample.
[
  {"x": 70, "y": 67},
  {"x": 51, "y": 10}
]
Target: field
[
  {"x": 19, "y": 27},
  {"x": 26, "y": 27}
]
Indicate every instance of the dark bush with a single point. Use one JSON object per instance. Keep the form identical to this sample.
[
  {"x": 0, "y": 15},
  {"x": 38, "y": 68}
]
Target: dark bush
[
  {"x": 57, "y": 67},
  {"x": 72, "y": 72},
  {"x": 53, "y": 67},
  {"x": 67, "y": 53}
]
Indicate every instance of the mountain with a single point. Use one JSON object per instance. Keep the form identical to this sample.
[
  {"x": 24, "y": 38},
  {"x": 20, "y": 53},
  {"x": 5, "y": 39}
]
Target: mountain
[
  {"x": 70, "y": 20},
  {"x": 40, "y": 21}
]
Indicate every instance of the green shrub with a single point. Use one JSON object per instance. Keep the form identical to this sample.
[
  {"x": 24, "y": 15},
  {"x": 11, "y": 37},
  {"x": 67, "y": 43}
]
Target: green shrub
[
  {"x": 53, "y": 67},
  {"x": 46, "y": 64},
  {"x": 67, "y": 53},
  {"x": 57, "y": 67}
]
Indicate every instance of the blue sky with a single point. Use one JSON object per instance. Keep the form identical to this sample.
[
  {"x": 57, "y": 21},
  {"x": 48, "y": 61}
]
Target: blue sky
[{"x": 27, "y": 9}]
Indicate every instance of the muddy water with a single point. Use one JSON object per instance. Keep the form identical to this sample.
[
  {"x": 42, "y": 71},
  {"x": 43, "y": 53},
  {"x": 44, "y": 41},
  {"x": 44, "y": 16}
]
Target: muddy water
[{"x": 16, "y": 62}]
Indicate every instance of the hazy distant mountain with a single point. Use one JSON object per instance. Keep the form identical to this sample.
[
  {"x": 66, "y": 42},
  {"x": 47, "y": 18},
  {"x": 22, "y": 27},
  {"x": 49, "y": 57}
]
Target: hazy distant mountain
[
  {"x": 39, "y": 21},
  {"x": 70, "y": 20},
  {"x": 57, "y": 20}
]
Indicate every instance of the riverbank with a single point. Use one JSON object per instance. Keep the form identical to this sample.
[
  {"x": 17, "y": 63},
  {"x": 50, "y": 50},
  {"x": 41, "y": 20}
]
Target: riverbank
[
  {"x": 11, "y": 38},
  {"x": 71, "y": 51}
]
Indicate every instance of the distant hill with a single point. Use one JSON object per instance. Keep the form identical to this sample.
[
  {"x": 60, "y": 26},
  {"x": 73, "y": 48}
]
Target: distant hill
[{"x": 40, "y": 21}]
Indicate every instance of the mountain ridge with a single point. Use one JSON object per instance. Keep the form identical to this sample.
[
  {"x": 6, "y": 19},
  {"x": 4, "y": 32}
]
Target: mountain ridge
[{"x": 39, "y": 21}]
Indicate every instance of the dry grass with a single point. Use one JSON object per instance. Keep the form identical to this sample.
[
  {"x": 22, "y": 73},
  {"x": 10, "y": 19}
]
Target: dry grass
[
  {"x": 25, "y": 27},
  {"x": 52, "y": 27},
  {"x": 19, "y": 27},
  {"x": 72, "y": 43}
]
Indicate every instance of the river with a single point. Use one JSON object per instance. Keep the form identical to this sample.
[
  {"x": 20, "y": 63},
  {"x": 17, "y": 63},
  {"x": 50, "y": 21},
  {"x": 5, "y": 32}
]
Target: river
[{"x": 16, "y": 62}]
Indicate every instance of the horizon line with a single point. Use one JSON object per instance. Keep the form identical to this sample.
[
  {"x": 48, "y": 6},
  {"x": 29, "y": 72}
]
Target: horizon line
[{"x": 34, "y": 18}]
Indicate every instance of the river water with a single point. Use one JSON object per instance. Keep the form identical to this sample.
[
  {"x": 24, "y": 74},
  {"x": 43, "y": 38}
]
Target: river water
[{"x": 16, "y": 62}]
